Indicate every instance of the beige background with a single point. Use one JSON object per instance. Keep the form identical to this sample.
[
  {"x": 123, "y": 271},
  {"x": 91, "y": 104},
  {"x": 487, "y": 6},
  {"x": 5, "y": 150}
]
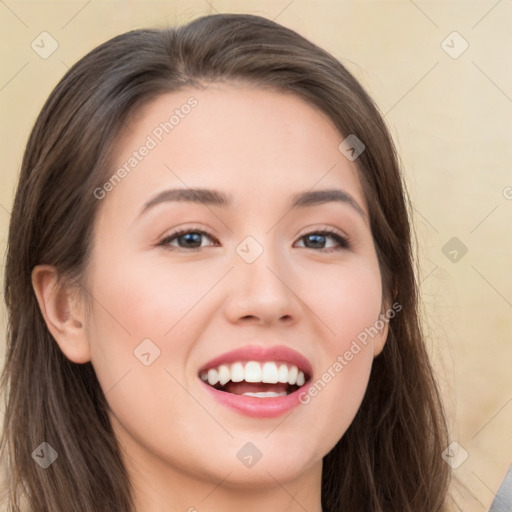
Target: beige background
[{"x": 451, "y": 119}]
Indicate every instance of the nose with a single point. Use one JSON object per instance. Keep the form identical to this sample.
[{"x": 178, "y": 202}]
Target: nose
[{"x": 263, "y": 291}]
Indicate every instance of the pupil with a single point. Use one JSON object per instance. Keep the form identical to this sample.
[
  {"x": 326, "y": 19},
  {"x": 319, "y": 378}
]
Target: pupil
[
  {"x": 318, "y": 239},
  {"x": 192, "y": 237}
]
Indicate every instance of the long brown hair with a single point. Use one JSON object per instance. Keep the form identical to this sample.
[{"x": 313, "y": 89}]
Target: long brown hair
[{"x": 390, "y": 457}]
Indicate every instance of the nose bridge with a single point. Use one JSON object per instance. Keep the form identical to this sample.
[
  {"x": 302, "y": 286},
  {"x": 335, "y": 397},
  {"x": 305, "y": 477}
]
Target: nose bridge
[{"x": 261, "y": 288}]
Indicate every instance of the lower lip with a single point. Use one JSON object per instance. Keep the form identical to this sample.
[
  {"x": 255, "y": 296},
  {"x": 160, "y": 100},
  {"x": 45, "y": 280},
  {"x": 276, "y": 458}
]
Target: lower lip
[{"x": 257, "y": 407}]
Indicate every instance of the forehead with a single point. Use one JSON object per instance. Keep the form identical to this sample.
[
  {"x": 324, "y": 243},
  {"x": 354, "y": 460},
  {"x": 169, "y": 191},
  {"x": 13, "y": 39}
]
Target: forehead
[{"x": 253, "y": 143}]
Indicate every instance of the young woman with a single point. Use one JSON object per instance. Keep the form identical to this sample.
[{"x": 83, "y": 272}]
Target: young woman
[{"x": 211, "y": 291}]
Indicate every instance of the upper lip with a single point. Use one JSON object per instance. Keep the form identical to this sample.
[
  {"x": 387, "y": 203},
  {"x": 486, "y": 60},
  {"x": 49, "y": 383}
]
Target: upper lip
[{"x": 259, "y": 353}]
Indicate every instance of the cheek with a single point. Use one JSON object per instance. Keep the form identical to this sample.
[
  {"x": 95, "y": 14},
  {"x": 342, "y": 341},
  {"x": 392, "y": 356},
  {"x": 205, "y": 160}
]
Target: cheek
[
  {"x": 347, "y": 299},
  {"x": 140, "y": 309},
  {"x": 144, "y": 301},
  {"x": 139, "y": 338},
  {"x": 334, "y": 396}
]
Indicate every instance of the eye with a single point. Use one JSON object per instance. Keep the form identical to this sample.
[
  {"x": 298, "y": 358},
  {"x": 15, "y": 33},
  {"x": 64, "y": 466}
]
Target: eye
[
  {"x": 185, "y": 238},
  {"x": 191, "y": 238},
  {"x": 317, "y": 239}
]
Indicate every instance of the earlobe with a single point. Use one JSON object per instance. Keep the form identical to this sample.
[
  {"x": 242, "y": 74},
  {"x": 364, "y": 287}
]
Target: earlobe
[
  {"x": 62, "y": 310},
  {"x": 380, "y": 341}
]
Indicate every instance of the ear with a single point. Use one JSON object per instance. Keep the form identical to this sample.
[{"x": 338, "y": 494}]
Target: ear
[
  {"x": 382, "y": 325},
  {"x": 63, "y": 311}
]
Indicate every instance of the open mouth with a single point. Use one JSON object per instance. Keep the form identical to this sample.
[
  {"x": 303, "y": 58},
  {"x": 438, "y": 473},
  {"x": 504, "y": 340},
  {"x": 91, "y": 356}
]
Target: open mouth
[{"x": 257, "y": 379}]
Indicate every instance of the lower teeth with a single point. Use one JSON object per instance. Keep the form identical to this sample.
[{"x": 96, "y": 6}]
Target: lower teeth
[{"x": 266, "y": 394}]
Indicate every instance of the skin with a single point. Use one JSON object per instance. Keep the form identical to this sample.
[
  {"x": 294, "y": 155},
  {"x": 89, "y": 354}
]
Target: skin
[{"x": 180, "y": 446}]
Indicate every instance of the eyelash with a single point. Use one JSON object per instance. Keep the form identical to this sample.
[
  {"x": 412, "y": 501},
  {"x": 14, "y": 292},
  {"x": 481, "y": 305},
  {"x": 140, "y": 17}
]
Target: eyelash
[{"x": 344, "y": 242}]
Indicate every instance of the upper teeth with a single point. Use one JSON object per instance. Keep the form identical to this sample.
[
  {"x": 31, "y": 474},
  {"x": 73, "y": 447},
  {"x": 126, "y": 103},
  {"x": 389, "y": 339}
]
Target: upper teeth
[{"x": 254, "y": 371}]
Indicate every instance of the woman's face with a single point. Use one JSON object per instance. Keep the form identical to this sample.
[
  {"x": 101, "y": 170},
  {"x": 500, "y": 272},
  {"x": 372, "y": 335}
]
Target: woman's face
[{"x": 252, "y": 274}]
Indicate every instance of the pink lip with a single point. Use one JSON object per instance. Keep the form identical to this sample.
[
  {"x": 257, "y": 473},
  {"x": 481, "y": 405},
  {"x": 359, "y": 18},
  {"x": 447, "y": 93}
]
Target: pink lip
[
  {"x": 260, "y": 407},
  {"x": 278, "y": 353}
]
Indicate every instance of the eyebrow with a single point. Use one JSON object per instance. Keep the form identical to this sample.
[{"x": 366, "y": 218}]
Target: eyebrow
[{"x": 217, "y": 198}]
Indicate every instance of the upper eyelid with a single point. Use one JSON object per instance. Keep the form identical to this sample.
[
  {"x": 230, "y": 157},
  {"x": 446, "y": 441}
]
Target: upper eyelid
[
  {"x": 208, "y": 230},
  {"x": 196, "y": 229},
  {"x": 180, "y": 232}
]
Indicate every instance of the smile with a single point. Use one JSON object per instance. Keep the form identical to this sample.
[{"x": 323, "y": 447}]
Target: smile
[{"x": 256, "y": 381}]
